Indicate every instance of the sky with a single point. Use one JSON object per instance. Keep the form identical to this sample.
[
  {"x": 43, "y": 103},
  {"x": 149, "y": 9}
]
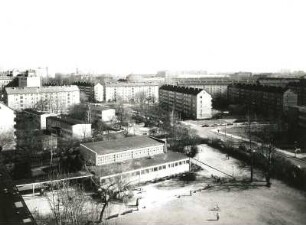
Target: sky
[{"x": 145, "y": 36}]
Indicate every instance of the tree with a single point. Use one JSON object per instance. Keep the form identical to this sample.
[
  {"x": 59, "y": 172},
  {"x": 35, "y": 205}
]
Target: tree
[{"x": 79, "y": 112}]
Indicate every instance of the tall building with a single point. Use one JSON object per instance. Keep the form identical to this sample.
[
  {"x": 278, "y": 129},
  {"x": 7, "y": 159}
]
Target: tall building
[
  {"x": 130, "y": 92},
  {"x": 55, "y": 99},
  {"x": 187, "y": 101},
  {"x": 7, "y": 127},
  {"x": 29, "y": 81}
]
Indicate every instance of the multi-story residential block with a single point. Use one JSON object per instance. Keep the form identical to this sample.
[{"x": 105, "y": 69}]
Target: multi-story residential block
[
  {"x": 39, "y": 118},
  {"x": 119, "y": 150},
  {"x": 290, "y": 99},
  {"x": 277, "y": 81},
  {"x": 4, "y": 80},
  {"x": 133, "y": 160},
  {"x": 90, "y": 91},
  {"x": 7, "y": 127},
  {"x": 69, "y": 128},
  {"x": 100, "y": 112},
  {"x": 187, "y": 101},
  {"x": 300, "y": 89},
  {"x": 29, "y": 81},
  {"x": 55, "y": 99},
  {"x": 130, "y": 92},
  {"x": 267, "y": 100}
]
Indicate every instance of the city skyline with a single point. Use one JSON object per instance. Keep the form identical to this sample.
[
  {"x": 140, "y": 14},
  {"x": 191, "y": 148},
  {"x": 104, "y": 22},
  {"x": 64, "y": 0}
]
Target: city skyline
[{"x": 123, "y": 37}]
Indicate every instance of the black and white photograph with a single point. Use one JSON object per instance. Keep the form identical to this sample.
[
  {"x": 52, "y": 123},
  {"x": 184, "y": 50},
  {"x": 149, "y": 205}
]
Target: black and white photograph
[{"x": 148, "y": 112}]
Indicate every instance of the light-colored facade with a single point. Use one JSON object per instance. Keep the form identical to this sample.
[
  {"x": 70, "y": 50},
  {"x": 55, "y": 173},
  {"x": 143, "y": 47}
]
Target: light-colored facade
[
  {"x": 29, "y": 81},
  {"x": 102, "y": 113},
  {"x": 188, "y": 102},
  {"x": 53, "y": 99},
  {"x": 119, "y": 150},
  {"x": 92, "y": 92},
  {"x": 98, "y": 92},
  {"x": 130, "y": 92},
  {"x": 4, "y": 80},
  {"x": 7, "y": 129},
  {"x": 69, "y": 128}
]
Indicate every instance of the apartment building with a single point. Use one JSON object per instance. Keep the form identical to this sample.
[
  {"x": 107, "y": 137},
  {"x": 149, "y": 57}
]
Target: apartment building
[
  {"x": 277, "y": 81},
  {"x": 90, "y": 91},
  {"x": 267, "y": 100},
  {"x": 53, "y": 99},
  {"x": 300, "y": 89},
  {"x": 7, "y": 127},
  {"x": 4, "y": 80},
  {"x": 29, "y": 81},
  {"x": 69, "y": 128},
  {"x": 101, "y": 113},
  {"x": 187, "y": 101},
  {"x": 131, "y": 92},
  {"x": 133, "y": 159}
]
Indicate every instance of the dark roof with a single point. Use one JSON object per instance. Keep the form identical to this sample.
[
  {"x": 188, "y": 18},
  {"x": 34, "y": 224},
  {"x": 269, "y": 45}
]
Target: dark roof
[
  {"x": 258, "y": 87},
  {"x": 13, "y": 209},
  {"x": 122, "y": 144},
  {"x": 67, "y": 120},
  {"x": 33, "y": 111},
  {"x": 139, "y": 163},
  {"x": 180, "y": 89}
]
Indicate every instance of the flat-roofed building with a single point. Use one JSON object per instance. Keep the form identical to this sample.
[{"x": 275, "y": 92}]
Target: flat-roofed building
[
  {"x": 29, "y": 81},
  {"x": 55, "y": 99},
  {"x": 4, "y": 80},
  {"x": 91, "y": 92},
  {"x": 39, "y": 118},
  {"x": 141, "y": 170},
  {"x": 119, "y": 150},
  {"x": 187, "y": 101},
  {"x": 101, "y": 112},
  {"x": 131, "y": 92},
  {"x": 69, "y": 128}
]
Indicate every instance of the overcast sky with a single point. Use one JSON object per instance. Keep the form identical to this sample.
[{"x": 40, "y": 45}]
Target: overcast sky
[{"x": 142, "y": 36}]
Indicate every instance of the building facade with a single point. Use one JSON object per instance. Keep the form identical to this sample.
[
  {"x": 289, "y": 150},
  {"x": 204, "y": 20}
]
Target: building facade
[
  {"x": 264, "y": 99},
  {"x": 53, "y": 99},
  {"x": 39, "y": 118},
  {"x": 69, "y": 128},
  {"x": 101, "y": 113},
  {"x": 188, "y": 102},
  {"x": 91, "y": 92},
  {"x": 130, "y": 92},
  {"x": 29, "y": 81},
  {"x": 4, "y": 80},
  {"x": 7, "y": 127}
]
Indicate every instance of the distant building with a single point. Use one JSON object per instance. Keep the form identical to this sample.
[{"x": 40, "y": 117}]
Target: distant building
[
  {"x": 277, "y": 81},
  {"x": 29, "y": 81},
  {"x": 130, "y": 92},
  {"x": 4, "y": 80},
  {"x": 290, "y": 99},
  {"x": 136, "y": 78},
  {"x": 100, "y": 112},
  {"x": 300, "y": 89},
  {"x": 39, "y": 118},
  {"x": 187, "y": 101},
  {"x": 55, "y": 99},
  {"x": 90, "y": 91},
  {"x": 268, "y": 100},
  {"x": 69, "y": 128},
  {"x": 7, "y": 127}
]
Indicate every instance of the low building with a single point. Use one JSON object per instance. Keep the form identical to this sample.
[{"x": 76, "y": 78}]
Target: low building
[
  {"x": 55, "y": 99},
  {"x": 69, "y": 128},
  {"x": 188, "y": 102},
  {"x": 7, "y": 127},
  {"x": 141, "y": 170},
  {"x": 101, "y": 113},
  {"x": 119, "y": 150},
  {"x": 39, "y": 118}
]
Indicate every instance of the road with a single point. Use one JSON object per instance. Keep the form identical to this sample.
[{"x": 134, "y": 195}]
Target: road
[{"x": 216, "y": 133}]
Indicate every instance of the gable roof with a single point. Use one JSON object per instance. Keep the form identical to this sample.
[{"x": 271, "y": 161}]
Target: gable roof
[{"x": 181, "y": 89}]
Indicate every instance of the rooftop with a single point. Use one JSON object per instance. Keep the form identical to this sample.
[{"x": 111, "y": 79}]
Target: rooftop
[
  {"x": 139, "y": 163},
  {"x": 129, "y": 84},
  {"x": 180, "y": 89},
  {"x": 122, "y": 144},
  {"x": 67, "y": 120},
  {"x": 44, "y": 89},
  {"x": 258, "y": 87}
]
